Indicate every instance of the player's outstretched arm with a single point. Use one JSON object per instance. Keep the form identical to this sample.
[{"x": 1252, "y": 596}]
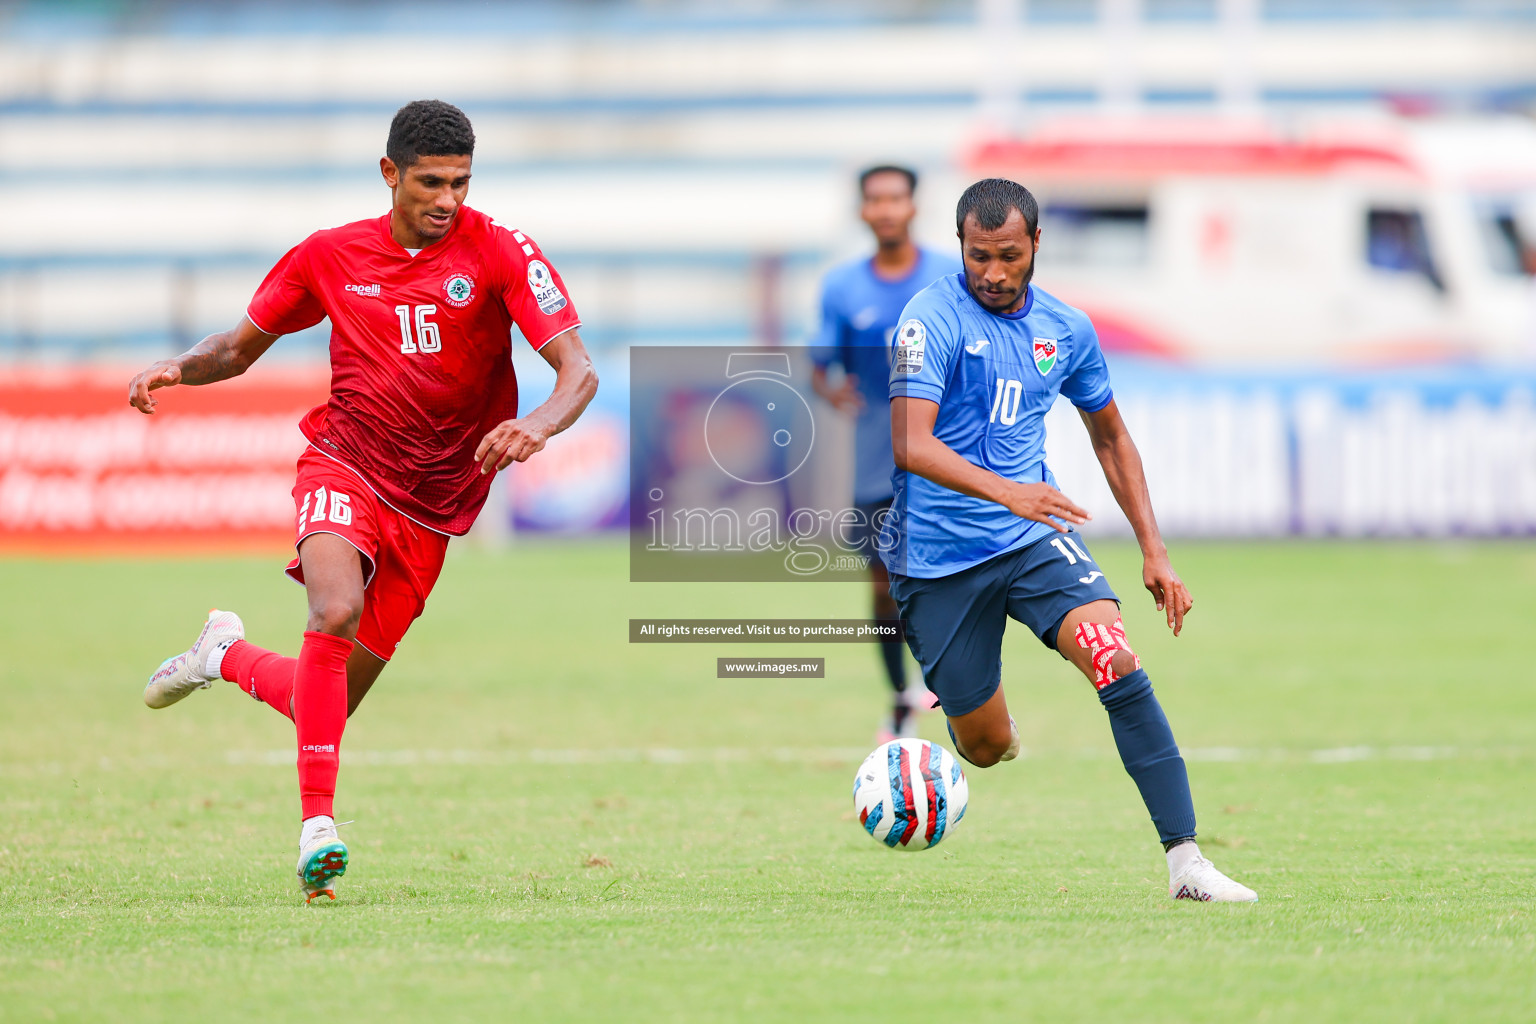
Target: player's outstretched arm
[
  {"x": 217, "y": 357},
  {"x": 1122, "y": 468},
  {"x": 845, "y": 398},
  {"x": 917, "y": 451},
  {"x": 575, "y": 384}
]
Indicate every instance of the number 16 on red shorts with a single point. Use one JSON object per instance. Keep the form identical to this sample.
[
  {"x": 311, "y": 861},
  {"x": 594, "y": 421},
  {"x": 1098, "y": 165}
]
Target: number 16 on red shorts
[{"x": 401, "y": 559}]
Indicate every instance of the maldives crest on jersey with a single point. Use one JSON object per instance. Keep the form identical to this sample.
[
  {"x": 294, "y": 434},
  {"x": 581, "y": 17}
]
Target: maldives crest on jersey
[
  {"x": 1045, "y": 354},
  {"x": 459, "y": 289},
  {"x": 545, "y": 292},
  {"x": 911, "y": 340}
]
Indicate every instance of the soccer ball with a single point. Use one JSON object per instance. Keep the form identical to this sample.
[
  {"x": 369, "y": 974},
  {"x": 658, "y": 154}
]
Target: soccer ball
[{"x": 910, "y": 794}]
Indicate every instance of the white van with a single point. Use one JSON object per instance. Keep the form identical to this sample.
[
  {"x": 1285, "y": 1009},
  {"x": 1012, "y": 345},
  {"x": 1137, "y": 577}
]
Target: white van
[{"x": 1371, "y": 242}]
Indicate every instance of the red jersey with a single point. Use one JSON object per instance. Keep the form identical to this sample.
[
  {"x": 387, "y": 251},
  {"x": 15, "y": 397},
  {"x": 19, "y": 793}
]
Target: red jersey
[{"x": 421, "y": 356}]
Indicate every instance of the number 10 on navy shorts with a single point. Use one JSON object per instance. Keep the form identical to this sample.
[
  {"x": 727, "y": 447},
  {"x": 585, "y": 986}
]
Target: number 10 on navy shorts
[{"x": 954, "y": 624}]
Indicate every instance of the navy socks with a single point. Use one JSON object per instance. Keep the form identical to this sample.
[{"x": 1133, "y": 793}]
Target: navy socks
[{"x": 1150, "y": 754}]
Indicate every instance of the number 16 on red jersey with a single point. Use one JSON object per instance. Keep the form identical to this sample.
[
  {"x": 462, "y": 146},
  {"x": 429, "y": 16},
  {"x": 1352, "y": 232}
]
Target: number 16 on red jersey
[{"x": 427, "y": 338}]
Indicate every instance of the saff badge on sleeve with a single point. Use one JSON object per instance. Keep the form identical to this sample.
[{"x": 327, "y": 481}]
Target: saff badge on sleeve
[{"x": 911, "y": 339}]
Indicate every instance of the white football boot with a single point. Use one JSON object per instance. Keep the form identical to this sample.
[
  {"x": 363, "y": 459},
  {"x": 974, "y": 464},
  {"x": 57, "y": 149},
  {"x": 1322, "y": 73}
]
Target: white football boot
[
  {"x": 1199, "y": 880},
  {"x": 1014, "y": 746},
  {"x": 322, "y": 858},
  {"x": 178, "y": 676}
]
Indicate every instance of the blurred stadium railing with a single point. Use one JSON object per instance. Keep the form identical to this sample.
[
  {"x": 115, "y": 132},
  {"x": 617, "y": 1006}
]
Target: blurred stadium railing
[
  {"x": 1431, "y": 452},
  {"x": 68, "y": 308},
  {"x": 688, "y": 166}
]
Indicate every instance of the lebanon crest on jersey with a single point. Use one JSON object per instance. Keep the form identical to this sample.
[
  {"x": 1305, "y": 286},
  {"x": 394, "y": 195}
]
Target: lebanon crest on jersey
[
  {"x": 459, "y": 289},
  {"x": 1045, "y": 354}
]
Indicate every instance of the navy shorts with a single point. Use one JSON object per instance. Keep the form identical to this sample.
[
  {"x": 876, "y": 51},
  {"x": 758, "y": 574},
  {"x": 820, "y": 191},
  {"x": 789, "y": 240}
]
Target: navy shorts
[{"x": 954, "y": 624}]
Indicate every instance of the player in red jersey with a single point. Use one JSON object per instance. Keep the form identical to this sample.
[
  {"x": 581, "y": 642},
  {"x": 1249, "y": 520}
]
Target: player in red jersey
[{"x": 422, "y": 412}]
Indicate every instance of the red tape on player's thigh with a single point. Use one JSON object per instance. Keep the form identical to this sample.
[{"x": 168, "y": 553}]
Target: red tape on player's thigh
[{"x": 1103, "y": 643}]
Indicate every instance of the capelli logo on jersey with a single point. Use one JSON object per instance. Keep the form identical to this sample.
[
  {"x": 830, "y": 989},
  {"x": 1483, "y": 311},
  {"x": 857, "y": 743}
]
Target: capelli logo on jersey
[{"x": 373, "y": 291}]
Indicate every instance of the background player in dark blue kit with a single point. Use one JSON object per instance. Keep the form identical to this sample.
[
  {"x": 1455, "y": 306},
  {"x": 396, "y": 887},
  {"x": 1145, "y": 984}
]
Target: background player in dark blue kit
[
  {"x": 861, "y": 303},
  {"x": 978, "y": 532}
]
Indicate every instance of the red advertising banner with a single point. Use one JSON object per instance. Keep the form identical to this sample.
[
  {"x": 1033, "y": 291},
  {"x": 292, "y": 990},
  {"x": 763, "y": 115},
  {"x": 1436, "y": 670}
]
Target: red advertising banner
[{"x": 212, "y": 469}]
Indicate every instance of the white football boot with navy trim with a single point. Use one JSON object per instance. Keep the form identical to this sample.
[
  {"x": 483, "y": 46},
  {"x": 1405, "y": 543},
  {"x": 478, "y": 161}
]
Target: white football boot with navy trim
[
  {"x": 1199, "y": 880},
  {"x": 180, "y": 675}
]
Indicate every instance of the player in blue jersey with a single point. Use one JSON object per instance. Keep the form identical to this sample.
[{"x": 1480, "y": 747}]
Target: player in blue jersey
[
  {"x": 861, "y": 304},
  {"x": 978, "y": 532}
]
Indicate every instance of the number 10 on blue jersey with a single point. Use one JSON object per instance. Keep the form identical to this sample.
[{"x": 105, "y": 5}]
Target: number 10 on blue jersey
[{"x": 1005, "y": 405}]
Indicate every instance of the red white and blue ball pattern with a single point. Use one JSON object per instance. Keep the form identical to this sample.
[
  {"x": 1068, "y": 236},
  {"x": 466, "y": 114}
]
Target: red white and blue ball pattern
[{"x": 910, "y": 794}]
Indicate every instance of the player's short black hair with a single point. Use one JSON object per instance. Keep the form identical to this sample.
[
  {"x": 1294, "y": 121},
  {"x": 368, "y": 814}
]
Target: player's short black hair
[
  {"x": 905, "y": 172},
  {"x": 991, "y": 200},
  {"x": 428, "y": 128}
]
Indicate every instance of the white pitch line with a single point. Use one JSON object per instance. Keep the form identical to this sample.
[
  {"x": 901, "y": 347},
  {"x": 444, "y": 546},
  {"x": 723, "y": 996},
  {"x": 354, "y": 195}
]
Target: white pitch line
[
  {"x": 853, "y": 755},
  {"x": 285, "y": 757},
  {"x": 611, "y": 755}
]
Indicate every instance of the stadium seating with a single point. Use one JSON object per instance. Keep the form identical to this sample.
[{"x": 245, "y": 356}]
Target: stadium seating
[{"x": 657, "y": 151}]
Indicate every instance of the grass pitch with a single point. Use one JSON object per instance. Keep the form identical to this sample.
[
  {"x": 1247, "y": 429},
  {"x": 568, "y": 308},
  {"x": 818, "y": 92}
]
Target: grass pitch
[{"x": 554, "y": 825}]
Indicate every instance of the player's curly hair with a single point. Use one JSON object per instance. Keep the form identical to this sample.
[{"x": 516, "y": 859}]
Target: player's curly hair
[
  {"x": 428, "y": 128},
  {"x": 991, "y": 200}
]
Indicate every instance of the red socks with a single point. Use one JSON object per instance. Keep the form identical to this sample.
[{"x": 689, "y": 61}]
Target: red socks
[
  {"x": 264, "y": 675},
  {"x": 316, "y": 684},
  {"x": 320, "y": 712}
]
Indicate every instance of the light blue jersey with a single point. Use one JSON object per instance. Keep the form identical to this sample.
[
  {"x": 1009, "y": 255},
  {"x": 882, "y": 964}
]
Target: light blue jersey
[
  {"x": 859, "y": 314},
  {"x": 994, "y": 378}
]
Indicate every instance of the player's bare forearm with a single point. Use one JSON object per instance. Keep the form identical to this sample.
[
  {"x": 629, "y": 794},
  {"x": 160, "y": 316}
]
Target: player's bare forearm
[
  {"x": 575, "y": 385},
  {"x": 934, "y": 460},
  {"x": 217, "y": 357},
  {"x": 224, "y": 355},
  {"x": 917, "y": 450},
  {"x": 1127, "y": 479}
]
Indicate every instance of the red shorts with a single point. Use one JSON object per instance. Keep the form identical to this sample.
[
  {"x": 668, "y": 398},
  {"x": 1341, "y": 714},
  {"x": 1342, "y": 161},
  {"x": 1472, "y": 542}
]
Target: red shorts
[{"x": 401, "y": 558}]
